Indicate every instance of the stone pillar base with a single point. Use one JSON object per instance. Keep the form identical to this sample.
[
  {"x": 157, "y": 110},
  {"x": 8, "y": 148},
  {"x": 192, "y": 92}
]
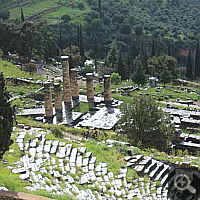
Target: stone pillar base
[
  {"x": 91, "y": 100},
  {"x": 49, "y": 119},
  {"x": 75, "y": 100},
  {"x": 108, "y": 103},
  {"x": 68, "y": 105},
  {"x": 59, "y": 113}
]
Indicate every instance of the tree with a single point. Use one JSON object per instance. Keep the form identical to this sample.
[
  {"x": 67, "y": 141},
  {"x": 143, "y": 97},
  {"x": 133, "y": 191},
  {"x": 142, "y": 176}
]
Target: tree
[
  {"x": 6, "y": 118},
  {"x": 189, "y": 66},
  {"x": 4, "y": 15},
  {"x": 165, "y": 76},
  {"x": 81, "y": 47},
  {"x": 30, "y": 67},
  {"x": 47, "y": 52},
  {"x": 169, "y": 49},
  {"x": 125, "y": 29},
  {"x": 158, "y": 62},
  {"x": 78, "y": 35},
  {"x": 197, "y": 61},
  {"x": 61, "y": 43},
  {"x": 66, "y": 17},
  {"x": 138, "y": 30},
  {"x": 22, "y": 15},
  {"x": 142, "y": 121},
  {"x": 139, "y": 76},
  {"x": 115, "y": 78},
  {"x": 121, "y": 69},
  {"x": 70, "y": 45},
  {"x": 153, "y": 51},
  {"x": 112, "y": 54},
  {"x": 95, "y": 51},
  {"x": 100, "y": 8}
]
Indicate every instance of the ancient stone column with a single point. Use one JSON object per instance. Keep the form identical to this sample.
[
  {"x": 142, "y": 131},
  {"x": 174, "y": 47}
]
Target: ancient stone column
[
  {"x": 107, "y": 89},
  {"x": 48, "y": 101},
  {"x": 58, "y": 100},
  {"x": 74, "y": 86},
  {"x": 66, "y": 81},
  {"x": 90, "y": 87}
]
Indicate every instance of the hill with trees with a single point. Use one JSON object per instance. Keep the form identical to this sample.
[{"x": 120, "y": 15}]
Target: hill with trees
[{"x": 118, "y": 32}]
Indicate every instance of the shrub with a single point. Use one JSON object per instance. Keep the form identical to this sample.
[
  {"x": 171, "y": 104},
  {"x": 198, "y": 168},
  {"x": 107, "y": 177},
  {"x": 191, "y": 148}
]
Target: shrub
[
  {"x": 122, "y": 149},
  {"x": 115, "y": 78},
  {"x": 136, "y": 151},
  {"x": 57, "y": 132}
]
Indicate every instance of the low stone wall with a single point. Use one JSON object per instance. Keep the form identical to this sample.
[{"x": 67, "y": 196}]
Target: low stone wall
[{"x": 8, "y": 195}]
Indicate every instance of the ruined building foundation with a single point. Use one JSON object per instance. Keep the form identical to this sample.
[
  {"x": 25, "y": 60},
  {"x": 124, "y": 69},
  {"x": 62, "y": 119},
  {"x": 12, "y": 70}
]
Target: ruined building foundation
[
  {"x": 74, "y": 86},
  {"x": 90, "y": 87},
  {"x": 48, "y": 101},
  {"x": 66, "y": 82},
  {"x": 107, "y": 89},
  {"x": 58, "y": 100}
]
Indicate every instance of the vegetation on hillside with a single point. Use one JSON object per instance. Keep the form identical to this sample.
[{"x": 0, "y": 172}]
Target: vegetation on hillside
[{"x": 174, "y": 22}]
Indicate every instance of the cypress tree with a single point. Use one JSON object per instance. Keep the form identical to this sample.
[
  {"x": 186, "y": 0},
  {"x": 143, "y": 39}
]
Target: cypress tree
[
  {"x": 22, "y": 15},
  {"x": 70, "y": 46},
  {"x": 47, "y": 52},
  {"x": 100, "y": 8},
  {"x": 95, "y": 51},
  {"x": 153, "y": 50},
  {"x": 61, "y": 43},
  {"x": 189, "y": 66},
  {"x": 169, "y": 49},
  {"x": 120, "y": 66},
  {"x": 159, "y": 47},
  {"x": 129, "y": 62},
  {"x": 81, "y": 42},
  {"x": 6, "y": 119},
  {"x": 197, "y": 61},
  {"x": 78, "y": 36},
  {"x": 139, "y": 76},
  {"x": 165, "y": 76},
  {"x": 71, "y": 63},
  {"x": 112, "y": 54}
]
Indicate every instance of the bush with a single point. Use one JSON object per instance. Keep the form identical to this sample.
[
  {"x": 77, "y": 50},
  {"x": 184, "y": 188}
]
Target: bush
[
  {"x": 57, "y": 132},
  {"x": 136, "y": 151},
  {"x": 115, "y": 78},
  {"x": 122, "y": 149}
]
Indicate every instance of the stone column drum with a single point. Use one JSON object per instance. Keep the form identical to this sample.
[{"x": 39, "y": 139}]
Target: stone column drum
[
  {"x": 48, "y": 101},
  {"x": 107, "y": 89},
  {"x": 58, "y": 99},
  {"x": 66, "y": 80},
  {"x": 90, "y": 87},
  {"x": 74, "y": 86}
]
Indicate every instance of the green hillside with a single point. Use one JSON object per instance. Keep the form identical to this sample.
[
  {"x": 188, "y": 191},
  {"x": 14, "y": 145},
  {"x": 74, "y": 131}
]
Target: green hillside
[{"x": 124, "y": 21}]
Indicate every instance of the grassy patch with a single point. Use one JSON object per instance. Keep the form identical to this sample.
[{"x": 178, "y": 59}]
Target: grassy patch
[
  {"x": 82, "y": 107},
  {"x": 11, "y": 70}
]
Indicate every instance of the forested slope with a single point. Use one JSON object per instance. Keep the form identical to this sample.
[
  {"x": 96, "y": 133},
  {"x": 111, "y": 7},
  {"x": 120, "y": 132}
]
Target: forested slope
[{"x": 174, "y": 21}]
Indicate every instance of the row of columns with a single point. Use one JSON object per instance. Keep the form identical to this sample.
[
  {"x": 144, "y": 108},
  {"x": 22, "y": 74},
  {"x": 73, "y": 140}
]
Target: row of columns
[{"x": 71, "y": 92}]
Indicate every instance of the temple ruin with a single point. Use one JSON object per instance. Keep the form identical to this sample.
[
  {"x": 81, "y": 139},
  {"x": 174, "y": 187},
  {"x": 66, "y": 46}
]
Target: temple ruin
[
  {"x": 48, "y": 101},
  {"x": 90, "y": 87}
]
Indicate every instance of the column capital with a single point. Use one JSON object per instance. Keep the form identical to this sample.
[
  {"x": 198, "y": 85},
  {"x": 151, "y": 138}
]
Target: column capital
[{"x": 64, "y": 58}]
